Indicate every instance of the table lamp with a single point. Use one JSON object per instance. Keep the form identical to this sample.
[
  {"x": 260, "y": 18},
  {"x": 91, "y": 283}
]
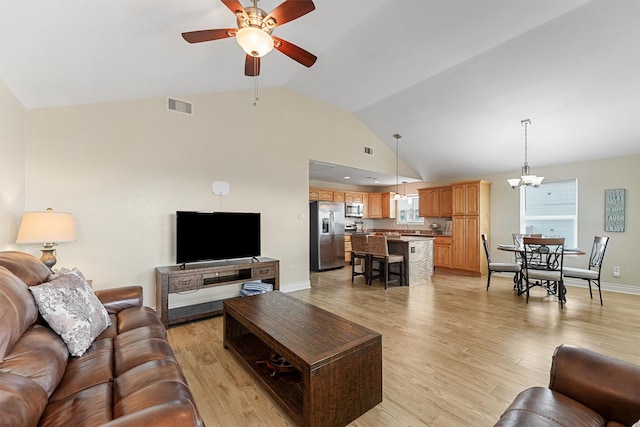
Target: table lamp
[{"x": 49, "y": 228}]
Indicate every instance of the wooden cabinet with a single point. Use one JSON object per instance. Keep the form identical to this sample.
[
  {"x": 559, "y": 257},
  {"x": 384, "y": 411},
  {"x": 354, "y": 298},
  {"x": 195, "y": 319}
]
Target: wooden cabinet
[
  {"x": 374, "y": 205},
  {"x": 435, "y": 202},
  {"x": 471, "y": 218},
  {"x": 338, "y": 196},
  {"x": 446, "y": 202},
  {"x": 442, "y": 251},
  {"x": 380, "y": 205},
  {"x": 388, "y": 205},
  {"x": 466, "y": 254},
  {"x": 353, "y": 197},
  {"x": 466, "y": 198},
  {"x": 174, "y": 279},
  {"x": 347, "y": 249},
  {"x": 321, "y": 194}
]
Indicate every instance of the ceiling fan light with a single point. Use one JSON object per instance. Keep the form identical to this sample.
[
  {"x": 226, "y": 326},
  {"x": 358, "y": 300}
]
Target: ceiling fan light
[{"x": 254, "y": 41}]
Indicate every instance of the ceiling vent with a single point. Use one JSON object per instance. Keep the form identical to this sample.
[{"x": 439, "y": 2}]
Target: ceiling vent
[
  {"x": 368, "y": 151},
  {"x": 179, "y": 106}
]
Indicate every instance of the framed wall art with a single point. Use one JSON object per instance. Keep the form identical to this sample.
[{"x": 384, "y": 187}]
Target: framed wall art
[{"x": 614, "y": 209}]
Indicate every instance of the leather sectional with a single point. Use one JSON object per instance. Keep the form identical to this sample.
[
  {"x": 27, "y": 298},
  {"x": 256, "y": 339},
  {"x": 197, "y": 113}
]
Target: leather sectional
[
  {"x": 127, "y": 377},
  {"x": 586, "y": 389}
]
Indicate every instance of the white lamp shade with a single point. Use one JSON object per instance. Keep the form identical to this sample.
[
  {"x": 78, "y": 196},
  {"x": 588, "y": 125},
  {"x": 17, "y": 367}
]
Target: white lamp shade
[
  {"x": 514, "y": 182},
  {"x": 46, "y": 227},
  {"x": 254, "y": 41},
  {"x": 537, "y": 181}
]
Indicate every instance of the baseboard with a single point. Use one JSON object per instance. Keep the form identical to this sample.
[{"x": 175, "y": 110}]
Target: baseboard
[
  {"x": 291, "y": 287},
  {"x": 609, "y": 287}
]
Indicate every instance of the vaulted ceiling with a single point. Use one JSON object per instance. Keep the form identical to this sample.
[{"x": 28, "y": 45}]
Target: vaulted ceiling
[{"x": 453, "y": 77}]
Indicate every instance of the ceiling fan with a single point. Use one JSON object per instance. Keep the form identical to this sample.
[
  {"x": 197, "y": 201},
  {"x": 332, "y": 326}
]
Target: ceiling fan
[{"x": 254, "y": 32}]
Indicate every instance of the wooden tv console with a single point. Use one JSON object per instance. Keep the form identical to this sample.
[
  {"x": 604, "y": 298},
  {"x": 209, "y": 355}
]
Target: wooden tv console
[
  {"x": 175, "y": 279},
  {"x": 338, "y": 363}
]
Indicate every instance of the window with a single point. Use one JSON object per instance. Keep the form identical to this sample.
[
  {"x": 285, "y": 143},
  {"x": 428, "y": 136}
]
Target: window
[
  {"x": 407, "y": 211},
  {"x": 551, "y": 209}
]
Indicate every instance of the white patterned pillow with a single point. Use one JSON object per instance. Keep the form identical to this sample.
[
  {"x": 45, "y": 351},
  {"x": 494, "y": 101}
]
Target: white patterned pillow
[{"x": 72, "y": 310}]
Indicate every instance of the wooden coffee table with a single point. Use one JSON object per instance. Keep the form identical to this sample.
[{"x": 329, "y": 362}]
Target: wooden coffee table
[{"x": 337, "y": 363}]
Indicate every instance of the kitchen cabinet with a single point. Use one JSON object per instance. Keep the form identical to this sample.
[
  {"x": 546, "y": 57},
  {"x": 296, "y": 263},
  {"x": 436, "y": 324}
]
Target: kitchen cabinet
[
  {"x": 353, "y": 197},
  {"x": 466, "y": 198},
  {"x": 466, "y": 254},
  {"x": 321, "y": 194},
  {"x": 471, "y": 218},
  {"x": 338, "y": 196},
  {"x": 442, "y": 251},
  {"x": 381, "y": 205},
  {"x": 388, "y": 205},
  {"x": 374, "y": 205},
  {"x": 446, "y": 202},
  {"x": 435, "y": 202},
  {"x": 347, "y": 249}
]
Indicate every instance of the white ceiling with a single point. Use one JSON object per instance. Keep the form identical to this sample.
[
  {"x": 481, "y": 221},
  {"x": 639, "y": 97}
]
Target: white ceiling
[{"x": 454, "y": 77}]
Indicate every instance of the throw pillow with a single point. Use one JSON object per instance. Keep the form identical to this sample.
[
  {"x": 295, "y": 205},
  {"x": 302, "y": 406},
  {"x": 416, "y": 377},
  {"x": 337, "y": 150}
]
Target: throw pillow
[{"x": 72, "y": 310}]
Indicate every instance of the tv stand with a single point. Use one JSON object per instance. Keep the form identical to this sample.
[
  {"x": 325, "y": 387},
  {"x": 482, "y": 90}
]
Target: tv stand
[{"x": 184, "y": 278}]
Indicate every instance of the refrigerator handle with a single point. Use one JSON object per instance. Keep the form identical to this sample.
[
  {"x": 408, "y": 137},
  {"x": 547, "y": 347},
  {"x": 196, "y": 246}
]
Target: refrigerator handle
[{"x": 332, "y": 229}]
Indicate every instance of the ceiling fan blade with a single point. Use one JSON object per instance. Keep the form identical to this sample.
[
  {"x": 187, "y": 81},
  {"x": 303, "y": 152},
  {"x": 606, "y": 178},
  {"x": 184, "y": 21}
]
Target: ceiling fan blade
[
  {"x": 208, "y": 35},
  {"x": 252, "y": 66},
  {"x": 290, "y": 10},
  {"x": 294, "y": 52},
  {"x": 235, "y": 7}
]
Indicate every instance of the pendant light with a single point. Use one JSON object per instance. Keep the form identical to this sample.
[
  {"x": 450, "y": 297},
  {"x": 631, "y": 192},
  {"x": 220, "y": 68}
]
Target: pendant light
[
  {"x": 527, "y": 179},
  {"x": 397, "y": 195}
]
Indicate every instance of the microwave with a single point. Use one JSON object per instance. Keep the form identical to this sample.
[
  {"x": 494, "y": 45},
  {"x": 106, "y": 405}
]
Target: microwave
[{"x": 354, "y": 210}]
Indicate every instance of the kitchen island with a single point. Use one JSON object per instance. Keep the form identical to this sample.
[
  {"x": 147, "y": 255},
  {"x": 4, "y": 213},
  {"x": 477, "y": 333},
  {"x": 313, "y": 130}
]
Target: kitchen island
[{"x": 418, "y": 257}]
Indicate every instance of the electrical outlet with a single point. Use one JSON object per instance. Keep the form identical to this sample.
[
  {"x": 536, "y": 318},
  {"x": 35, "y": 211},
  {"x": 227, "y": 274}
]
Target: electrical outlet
[{"x": 616, "y": 271}]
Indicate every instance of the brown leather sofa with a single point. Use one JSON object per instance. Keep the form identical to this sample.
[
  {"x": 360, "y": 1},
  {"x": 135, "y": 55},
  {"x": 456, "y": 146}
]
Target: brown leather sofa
[
  {"x": 128, "y": 377},
  {"x": 586, "y": 389}
]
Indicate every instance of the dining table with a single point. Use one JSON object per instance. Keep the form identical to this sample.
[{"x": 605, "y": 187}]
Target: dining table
[{"x": 520, "y": 251}]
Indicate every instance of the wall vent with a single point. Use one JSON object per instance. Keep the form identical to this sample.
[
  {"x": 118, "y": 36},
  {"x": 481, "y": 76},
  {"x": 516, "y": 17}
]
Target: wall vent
[
  {"x": 179, "y": 106},
  {"x": 368, "y": 151}
]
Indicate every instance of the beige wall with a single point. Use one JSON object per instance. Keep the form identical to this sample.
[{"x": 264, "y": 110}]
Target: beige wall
[
  {"x": 12, "y": 166},
  {"x": 124, "y": 168},
  {"x": 593, "y": 178}
]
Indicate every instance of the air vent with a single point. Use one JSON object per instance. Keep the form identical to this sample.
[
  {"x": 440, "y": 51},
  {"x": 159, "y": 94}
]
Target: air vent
[
  {"x": 368, "y": 150},
  {"x": 179, "y": 106}
]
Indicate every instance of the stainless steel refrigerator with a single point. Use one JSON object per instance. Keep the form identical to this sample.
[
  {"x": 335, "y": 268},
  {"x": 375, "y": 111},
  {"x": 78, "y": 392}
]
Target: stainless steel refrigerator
[{"x": 326, "y": 229}]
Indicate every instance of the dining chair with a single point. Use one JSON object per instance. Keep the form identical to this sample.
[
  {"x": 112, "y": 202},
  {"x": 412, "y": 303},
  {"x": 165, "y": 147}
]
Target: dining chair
[
  {"x": 542, "y": 266},
  {"x": 592, "y": 273},
  {"x": 359, "y": 251},
  {"x": 517, "y": 238},
  {"x": 500, "y": 267},
  {"x": 379, "y": 251}
]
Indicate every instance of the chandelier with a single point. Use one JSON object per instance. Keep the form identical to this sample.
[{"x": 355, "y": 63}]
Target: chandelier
[{"x": 527, "y": 179}]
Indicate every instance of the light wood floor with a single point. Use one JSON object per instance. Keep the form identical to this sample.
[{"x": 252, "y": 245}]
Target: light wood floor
[{"x": 453, "y": 354}]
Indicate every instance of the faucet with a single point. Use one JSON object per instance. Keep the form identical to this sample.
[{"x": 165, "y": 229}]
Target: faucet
[{"x": 406, "y": 227}]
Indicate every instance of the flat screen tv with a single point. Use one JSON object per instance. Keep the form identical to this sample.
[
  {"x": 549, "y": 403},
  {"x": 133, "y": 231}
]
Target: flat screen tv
[{"x": 210, "y": 236}]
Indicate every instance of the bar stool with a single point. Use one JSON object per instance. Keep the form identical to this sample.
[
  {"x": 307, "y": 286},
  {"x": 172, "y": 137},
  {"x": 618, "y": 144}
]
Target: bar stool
[
  {"x": 359, "y": 251},
  {"x": 379, "y": 251}
]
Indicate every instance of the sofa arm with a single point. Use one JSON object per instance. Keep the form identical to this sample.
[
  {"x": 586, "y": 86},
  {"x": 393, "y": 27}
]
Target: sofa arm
[
  {"x": 118, "y": 299},
  {"x": 169, "y": 414},
  {"x": 609, "y": 386}
]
